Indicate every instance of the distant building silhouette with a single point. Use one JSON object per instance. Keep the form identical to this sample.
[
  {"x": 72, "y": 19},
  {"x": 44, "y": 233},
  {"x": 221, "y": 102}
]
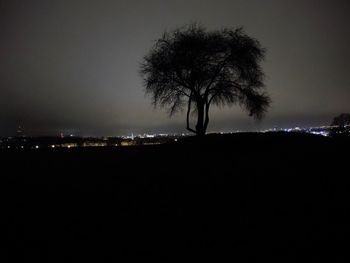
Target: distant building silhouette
[
  {"x": 19, "y": 132},
  {"x": 342, "y": 120}
]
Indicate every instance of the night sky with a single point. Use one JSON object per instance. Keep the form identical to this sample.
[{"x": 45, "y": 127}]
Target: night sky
[{"x": 72, "y": 66}]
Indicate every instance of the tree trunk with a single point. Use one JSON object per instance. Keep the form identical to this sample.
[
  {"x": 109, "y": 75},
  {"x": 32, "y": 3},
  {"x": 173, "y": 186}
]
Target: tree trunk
[
  {"x": 200, "y": 129},
  {"x": 188, "y": 115},
  {"x": 206, "y": 121}
]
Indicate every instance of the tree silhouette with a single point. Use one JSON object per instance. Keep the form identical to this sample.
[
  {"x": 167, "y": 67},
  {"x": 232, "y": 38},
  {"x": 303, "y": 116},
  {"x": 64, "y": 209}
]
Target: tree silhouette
[{"x": 195, "y": 68}]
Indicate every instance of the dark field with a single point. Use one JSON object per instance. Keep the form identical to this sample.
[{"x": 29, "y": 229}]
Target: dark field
[{"x": 243, "y": 196}]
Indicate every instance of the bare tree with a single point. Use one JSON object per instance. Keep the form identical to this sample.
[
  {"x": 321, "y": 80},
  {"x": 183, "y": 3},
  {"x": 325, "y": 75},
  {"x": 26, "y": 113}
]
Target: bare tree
[{"x": 195, "y": 68}]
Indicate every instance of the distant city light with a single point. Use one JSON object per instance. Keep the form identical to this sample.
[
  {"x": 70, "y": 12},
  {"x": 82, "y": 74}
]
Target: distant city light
[{"x": 143, "y": 139}]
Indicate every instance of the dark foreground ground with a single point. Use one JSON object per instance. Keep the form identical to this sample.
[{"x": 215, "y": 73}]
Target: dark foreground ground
[{"x": 245, "y": 196}]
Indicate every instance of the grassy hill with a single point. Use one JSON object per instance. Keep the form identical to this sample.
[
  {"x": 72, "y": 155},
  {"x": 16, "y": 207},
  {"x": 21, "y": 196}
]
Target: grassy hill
[{"x": 253, "y": 196}]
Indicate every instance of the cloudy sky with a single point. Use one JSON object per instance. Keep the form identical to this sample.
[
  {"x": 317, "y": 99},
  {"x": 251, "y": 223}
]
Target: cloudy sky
[{"x": 72, "y": 65}]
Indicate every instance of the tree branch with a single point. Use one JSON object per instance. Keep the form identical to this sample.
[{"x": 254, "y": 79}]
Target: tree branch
[
  {"x": 232, "y": 83},
  {"x": 212, "y": 97},
  {"x": 216, "y": 74}
]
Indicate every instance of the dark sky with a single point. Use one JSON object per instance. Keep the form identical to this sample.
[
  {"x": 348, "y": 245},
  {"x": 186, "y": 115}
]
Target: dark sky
[{"x": 72, "y": 65}]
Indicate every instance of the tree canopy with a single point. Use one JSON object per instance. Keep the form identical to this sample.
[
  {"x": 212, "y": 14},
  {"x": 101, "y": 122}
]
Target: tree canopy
[{"x": 195, "y": 68}]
